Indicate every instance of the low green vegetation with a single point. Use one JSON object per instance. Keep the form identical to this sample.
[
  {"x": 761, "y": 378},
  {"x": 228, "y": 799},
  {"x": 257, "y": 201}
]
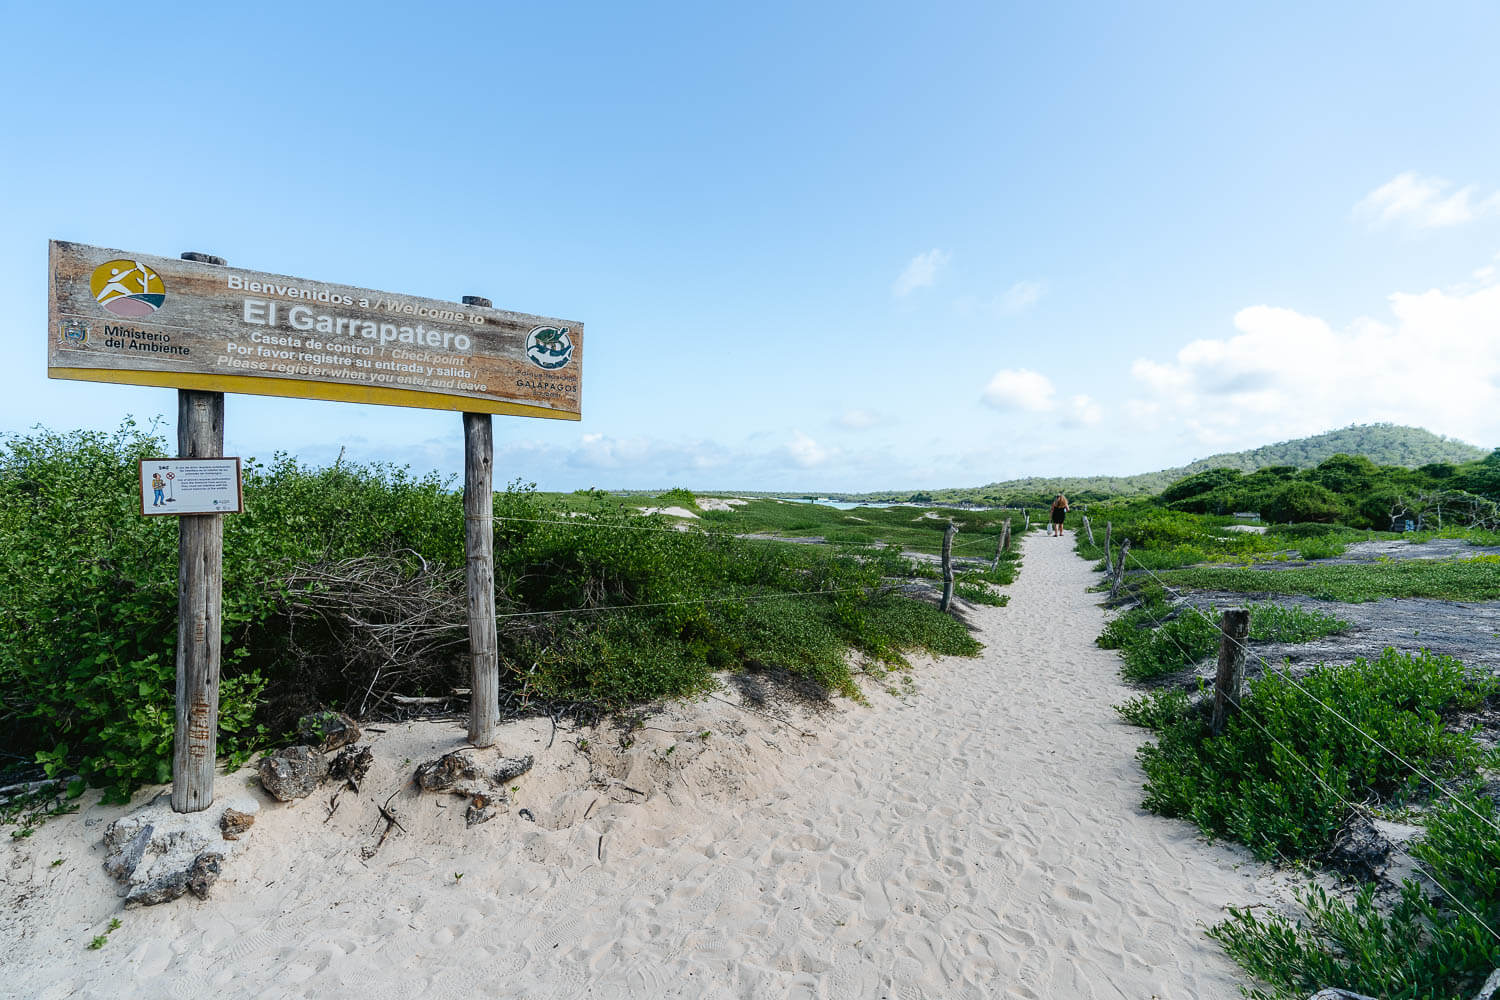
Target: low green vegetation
[
  {"x": 1283, "y": 777},
  {"x": 599, "y": 611},
  {"x": 1156, "y": 639},
  {"x": 1249, "y": 784},
  {"x": 912, "y": 529},
  {"x": 1461, "y": 579},
  {"x": 100, "y": 940},
  {"x": 1426, "y": 946},
  {"x": 1288, "y": 772}
]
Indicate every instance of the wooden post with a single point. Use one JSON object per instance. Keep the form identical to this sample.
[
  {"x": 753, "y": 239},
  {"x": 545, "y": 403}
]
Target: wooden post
[
  {"x": 948, "y": 534},
  {"x": 200, "y": 605},
  {"x": 1234, "y": 629},
  {"x": 1028, "y": 520},
  {"x": 1114, "y": 587},
  {"x": 1002, "y": 543},
  {"x": 1109, "y": 566},
  {"x": 479, "y": 553},
  {"x": 1088, "y": 528}
]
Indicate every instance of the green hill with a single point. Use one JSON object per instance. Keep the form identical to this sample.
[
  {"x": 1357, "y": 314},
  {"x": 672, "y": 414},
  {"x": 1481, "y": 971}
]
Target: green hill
[{"x": 1383, "y": 444}]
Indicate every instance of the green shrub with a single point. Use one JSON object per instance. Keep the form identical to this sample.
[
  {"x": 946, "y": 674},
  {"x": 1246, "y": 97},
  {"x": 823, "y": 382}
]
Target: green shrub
[
  {"x": 1155, "y": 709},
  {"x": 1446, "y": 579},
  {"x": 1185, "y": 636},
  {"x": 88, "y": 594},
  {"x": 1320, "y": 548},
  {"x": 1303, "y": 501},
  {"x": 976, "y": 590},
  {"x": 678, "y": 497},
  {"x": 1425, "y": 946},
  {"x": 1248, "y": 785},
  {"x": 88, "y": 633}
]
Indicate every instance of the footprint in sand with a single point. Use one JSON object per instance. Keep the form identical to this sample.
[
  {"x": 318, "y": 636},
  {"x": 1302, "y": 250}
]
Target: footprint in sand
[{"x": 879, "y": 868}]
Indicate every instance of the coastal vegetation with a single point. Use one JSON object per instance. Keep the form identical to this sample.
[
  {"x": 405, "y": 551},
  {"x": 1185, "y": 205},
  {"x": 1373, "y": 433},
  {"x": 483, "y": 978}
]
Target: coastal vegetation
[
  {"x": 1310, "y": 756},
  {"x": 1286, "y": 778},
  {"x": 1475, "y": 578},
  {"x": 1155, "y": 639},
  {"x": 601, "y": 606}
]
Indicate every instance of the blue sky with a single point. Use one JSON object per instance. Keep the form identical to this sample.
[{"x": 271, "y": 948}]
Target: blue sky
[{"x": 827, "y": 246}]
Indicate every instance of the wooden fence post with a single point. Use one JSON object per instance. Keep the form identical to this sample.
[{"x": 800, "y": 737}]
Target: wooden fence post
[
  {"x": 200, "y": 604},
  {"x": 1088, "y": 528},
  {"x": 1028, "y": 520},
  {"x": 1234, "y": 629},
  {"x": 1109, "y": 566},
  {"x": 948, "y": 534},
  {"x": 1002, "y": 543},
  {"x": 1114, "y": 587},
  {"x": 479, "y": 553}
]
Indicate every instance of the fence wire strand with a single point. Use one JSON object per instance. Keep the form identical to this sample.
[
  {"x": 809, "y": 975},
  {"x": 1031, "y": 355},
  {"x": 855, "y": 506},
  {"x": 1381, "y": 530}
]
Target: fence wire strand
[
  {"x": 1291, "y": 679},
  {"x": 669, "y": 604},
  {"x": 1352, "y": 806}
]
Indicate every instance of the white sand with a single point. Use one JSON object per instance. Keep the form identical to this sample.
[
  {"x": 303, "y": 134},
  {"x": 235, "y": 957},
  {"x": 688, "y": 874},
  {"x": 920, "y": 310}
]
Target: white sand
[
  {"x": 670, "y": 511},
  {"x": 981, "y": 837},
  {"x": 720, "y": 503}
]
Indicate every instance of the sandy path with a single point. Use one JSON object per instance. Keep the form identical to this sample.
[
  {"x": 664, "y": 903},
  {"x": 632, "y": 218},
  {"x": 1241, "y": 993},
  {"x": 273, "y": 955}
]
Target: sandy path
[{"x": 980, "y": 839}]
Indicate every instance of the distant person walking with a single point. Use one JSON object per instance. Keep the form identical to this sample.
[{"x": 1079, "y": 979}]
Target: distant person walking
[{"x": 1059, "y": 514}]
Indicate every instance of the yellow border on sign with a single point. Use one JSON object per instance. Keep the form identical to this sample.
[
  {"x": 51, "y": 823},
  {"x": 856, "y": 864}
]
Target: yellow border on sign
[{"x": 257, "y": 385}]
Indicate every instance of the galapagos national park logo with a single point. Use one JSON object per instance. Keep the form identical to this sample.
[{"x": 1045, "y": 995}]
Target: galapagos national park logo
[
  {"x": 127, "y": 288},
  {"x": 549, "y": 347}
]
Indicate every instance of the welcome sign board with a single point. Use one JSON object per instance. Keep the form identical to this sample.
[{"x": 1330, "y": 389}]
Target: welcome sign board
[{"x": 133, "y": 318}]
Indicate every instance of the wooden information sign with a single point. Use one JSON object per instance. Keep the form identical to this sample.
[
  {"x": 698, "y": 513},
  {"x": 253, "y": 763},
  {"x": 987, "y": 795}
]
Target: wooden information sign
[
  {"x": 116, "y": 316},
  {"x": 191, "y": 486},
  {"x": 206, "y": 329}
]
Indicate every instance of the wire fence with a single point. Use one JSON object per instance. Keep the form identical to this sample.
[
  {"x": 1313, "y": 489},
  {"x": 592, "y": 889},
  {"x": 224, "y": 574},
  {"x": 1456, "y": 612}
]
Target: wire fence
[
  {"x": 684, "y": 528},
  {"x": 585, "y": 522},
  {"x": 1291, "y": 679},
  {"x": 1357, "y": 808}
]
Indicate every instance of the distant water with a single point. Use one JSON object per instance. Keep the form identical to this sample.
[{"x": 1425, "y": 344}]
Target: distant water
[{"x": 836, "y": 504}]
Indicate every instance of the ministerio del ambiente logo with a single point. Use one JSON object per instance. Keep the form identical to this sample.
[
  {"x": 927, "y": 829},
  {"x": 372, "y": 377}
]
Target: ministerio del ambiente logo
[{"x": 127, "y": 288}]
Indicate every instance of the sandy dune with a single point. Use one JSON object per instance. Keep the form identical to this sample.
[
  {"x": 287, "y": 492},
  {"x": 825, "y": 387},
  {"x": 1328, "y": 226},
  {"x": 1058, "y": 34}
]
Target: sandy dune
[{"x": 980, "y": 837}]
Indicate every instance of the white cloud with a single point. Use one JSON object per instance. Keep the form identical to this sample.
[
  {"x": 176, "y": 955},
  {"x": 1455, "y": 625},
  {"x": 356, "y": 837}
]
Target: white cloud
[
  {"x": 857, "y": 420},
  {"x": 1424, "y": 202},
  {"x": 1015, "y": 300},
  {"x": 603, "y": 452},
  {"x": 921, "y": 272},
  {"x": 806, "y": 452},
  {"x": 1020, "y": 389},
  {"x": 1085, "y": 412},
  {"x": 1434, "y": 363},
  {"x": 1021, "y": 296}
]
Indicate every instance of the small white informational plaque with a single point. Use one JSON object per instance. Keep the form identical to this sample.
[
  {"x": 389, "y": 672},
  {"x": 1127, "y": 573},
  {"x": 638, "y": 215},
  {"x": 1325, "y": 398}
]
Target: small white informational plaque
[{"x": 191, "y": 486}]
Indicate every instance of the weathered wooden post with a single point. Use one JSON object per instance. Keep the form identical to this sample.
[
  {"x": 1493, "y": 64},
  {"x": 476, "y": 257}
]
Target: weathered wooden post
[
  {"x": 1109, "y": 566},
  {"x": 200, "y": 604},
  {"x": 948, "y": 534},
  {"x": 1114, "y": 587},
  {"x": 1028, "y": 520},
  {"x": 1234, "y": 629},
  {"x": 1002, "y": 543},
  {"x": 479, "y": 553},
  {"x": 1088, "y": 528}
]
